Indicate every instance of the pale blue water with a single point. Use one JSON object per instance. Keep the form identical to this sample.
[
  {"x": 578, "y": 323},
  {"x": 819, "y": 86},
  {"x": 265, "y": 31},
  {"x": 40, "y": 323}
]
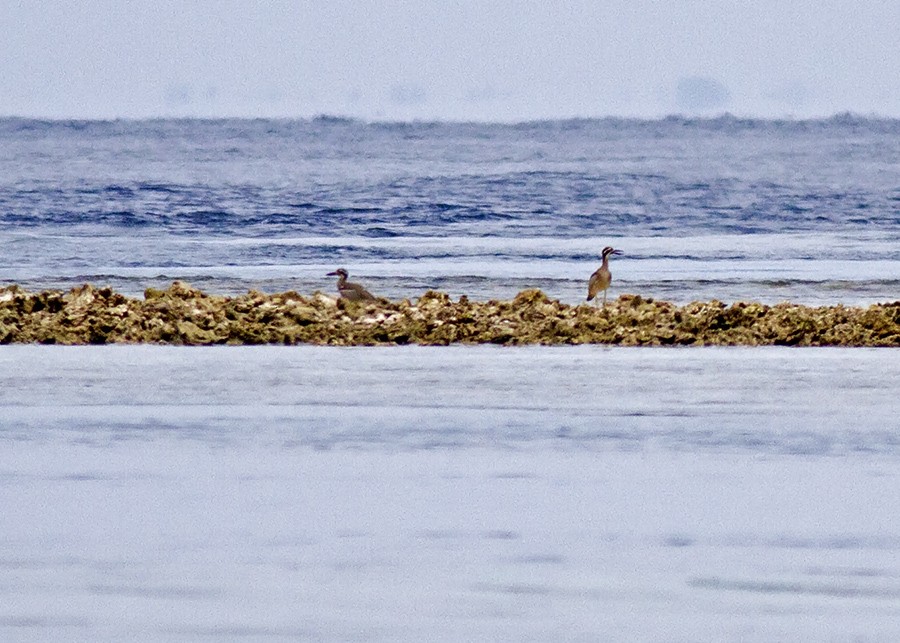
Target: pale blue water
[
  {"x": 465, "y": 493},
  {"x": 447, "y": 494}
]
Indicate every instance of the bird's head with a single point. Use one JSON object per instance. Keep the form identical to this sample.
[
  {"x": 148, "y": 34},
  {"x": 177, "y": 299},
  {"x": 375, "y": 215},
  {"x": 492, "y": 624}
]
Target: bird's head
[
  {"x": 340, "y": 272},
  {"x": 609, "y": 250}
]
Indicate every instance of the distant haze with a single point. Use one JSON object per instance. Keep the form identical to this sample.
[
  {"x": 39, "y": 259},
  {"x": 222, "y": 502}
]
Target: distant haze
[{"x": 500, "y": 60}]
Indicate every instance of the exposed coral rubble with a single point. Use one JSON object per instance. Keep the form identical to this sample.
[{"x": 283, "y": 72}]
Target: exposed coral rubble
[{"x": 184, "y": 315}]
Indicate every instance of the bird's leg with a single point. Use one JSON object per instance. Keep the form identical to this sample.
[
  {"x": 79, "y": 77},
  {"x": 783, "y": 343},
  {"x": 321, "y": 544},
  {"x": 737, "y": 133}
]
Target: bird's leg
[{"x": 604, "y": 299}]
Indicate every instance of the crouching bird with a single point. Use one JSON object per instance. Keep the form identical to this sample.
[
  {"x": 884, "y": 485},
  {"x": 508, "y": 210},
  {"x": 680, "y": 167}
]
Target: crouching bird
[
  {"x": 601, "y": 279},
  {"x": 348, "y": 290}
]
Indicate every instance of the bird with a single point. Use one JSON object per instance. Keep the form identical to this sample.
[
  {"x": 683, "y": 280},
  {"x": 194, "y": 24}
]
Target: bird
[
  {"x": 601, "y": 279},
  {"x": 348, "y": 290}
]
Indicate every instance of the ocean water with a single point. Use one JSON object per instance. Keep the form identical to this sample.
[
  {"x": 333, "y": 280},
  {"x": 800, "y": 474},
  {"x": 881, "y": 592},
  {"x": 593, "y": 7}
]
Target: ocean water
[
  {"x": 155, "y": 493},
  {"x": 446, "y": 494},
  {"x": 729, "y": 209}
]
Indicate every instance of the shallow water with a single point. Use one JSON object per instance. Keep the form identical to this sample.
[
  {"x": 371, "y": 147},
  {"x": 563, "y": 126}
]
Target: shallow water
[{"x": 462, "y": 493}]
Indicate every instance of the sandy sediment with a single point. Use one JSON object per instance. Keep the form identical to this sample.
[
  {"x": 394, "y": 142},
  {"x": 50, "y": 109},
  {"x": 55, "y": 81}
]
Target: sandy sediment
[{"x": 186, "y": 316}]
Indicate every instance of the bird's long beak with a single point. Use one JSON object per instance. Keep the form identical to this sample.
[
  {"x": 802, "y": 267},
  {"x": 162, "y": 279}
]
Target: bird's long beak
[
  {"x": 331, "y": 274},
  {"x": 616, "y": 252}
]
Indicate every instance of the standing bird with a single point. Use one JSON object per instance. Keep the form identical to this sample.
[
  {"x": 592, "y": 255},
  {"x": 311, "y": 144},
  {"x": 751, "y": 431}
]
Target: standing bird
[
  {"x": 601, "y": 279},
  {"x": 350, "y": 291}
]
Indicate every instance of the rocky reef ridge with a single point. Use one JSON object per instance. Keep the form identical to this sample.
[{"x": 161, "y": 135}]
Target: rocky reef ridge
[{"x": 183, "y": 315}]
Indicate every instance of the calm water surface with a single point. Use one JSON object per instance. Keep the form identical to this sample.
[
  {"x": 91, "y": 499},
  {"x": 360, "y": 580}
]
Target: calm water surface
[{"x": 463, "y": 493}]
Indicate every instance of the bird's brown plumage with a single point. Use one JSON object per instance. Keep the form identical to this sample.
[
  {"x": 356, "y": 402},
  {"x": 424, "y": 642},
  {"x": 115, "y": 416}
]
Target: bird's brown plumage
[
  {"x": 349, "y": 290},
  {"x": 602, "y": 277}
]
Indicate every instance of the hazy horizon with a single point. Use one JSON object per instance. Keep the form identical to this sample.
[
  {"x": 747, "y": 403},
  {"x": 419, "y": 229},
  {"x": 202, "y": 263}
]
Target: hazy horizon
[
  {"x": 451, "y": 121},
  {"x": 471, "y": 61}
]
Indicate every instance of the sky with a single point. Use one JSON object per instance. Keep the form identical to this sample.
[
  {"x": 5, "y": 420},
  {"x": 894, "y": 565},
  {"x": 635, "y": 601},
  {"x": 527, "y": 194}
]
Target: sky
[{"x": 484, "y": 60}]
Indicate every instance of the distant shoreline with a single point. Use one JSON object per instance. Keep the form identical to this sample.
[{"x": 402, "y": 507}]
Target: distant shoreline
[
  {"x": 182, "y": 315},
  {"x": 845, "y": 118}
]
